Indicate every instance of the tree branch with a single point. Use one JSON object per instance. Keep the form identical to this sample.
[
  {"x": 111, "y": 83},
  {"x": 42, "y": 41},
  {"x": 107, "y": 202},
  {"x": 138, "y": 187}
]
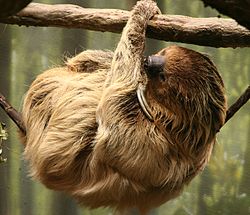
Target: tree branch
[
  {"x": 243, "y": 99},
  {"x": 12, "y": 113},
  {"x": 237, "y": 9},
  {"x": 215, "y": 32}
]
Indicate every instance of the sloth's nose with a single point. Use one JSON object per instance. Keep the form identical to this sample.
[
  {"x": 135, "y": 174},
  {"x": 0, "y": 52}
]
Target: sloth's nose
[{"x": 154, "y": 64}]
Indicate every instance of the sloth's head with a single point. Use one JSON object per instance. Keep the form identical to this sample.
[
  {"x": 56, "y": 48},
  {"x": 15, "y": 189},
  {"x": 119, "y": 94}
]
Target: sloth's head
[{"x": 185, "y": 87}]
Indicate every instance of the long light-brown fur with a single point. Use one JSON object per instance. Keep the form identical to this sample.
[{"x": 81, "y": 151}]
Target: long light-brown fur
[{"x": 87, "y": 135}]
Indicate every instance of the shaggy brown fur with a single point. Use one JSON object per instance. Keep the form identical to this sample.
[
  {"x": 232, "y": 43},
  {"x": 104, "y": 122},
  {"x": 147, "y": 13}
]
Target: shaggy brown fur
[{"x": 86, "y": 133}]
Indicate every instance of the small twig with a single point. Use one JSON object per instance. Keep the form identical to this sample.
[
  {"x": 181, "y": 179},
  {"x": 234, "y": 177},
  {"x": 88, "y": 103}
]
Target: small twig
[
  {"x": 243, "y": 99},
  {"x": 12, "y": 113}
]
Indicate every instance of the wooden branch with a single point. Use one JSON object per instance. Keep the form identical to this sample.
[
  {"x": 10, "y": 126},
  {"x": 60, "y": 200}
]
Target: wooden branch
[
  {"x": 215, "y": 32},
  {"x": 12, "y": 113},
  {"x": 243, "y": 99},
  {"x": 237, "y": 9}
]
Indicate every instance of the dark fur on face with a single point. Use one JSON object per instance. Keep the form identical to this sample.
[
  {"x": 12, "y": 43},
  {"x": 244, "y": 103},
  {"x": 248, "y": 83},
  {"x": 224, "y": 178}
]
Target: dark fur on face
[{"x": 87, "y": 132}]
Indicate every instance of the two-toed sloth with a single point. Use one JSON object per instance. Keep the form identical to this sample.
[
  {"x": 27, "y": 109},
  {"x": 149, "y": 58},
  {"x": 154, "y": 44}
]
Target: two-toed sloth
[{"x": 112, "y": 130}]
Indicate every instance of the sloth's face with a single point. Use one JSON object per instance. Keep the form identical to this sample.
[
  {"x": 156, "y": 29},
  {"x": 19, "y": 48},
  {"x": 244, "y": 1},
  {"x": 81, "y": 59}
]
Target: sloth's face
[
  {"x": 189, "y": 85},
  {"x": 187, "y": 76}
]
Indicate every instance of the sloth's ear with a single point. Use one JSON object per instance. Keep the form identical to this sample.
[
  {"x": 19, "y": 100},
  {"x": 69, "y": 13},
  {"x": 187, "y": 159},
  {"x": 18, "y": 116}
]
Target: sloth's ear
[{"x": 154, "y": 64}]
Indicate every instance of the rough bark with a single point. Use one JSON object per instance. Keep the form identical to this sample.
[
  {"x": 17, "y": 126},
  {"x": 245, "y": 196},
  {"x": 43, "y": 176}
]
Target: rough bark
[
  {"x": 243, "y": 99},
  {"x": 214, "y": 32},
  {"x": 237, "y": 9}
]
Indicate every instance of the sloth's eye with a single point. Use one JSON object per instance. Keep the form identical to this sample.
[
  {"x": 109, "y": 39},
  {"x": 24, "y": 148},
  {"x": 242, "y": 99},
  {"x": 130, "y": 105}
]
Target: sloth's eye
[{"x": 162, "y": 76}]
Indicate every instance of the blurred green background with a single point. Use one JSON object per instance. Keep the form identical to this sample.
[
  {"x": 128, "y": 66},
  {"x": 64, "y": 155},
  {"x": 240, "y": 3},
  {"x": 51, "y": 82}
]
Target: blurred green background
[{"x": 223, "y": 187}]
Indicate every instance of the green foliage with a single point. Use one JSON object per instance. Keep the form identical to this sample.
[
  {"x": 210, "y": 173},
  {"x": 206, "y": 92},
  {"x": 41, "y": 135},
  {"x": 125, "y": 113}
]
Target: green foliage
[{"x": 3, "y": 136}]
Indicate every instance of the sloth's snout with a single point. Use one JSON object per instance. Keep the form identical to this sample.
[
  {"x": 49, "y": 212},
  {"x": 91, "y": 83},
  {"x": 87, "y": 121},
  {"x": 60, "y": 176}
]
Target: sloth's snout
[{"x": 154, "y": 64}]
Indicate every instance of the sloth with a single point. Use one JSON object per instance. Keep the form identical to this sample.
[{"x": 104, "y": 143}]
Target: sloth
[{"x": 115, "y": 130}]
